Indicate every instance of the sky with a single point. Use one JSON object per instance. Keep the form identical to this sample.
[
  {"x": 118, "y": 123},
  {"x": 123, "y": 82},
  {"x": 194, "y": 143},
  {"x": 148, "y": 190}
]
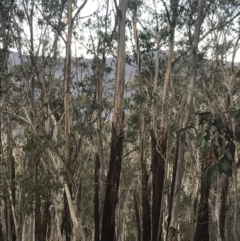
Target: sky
[{"x": 90, "y": 7}]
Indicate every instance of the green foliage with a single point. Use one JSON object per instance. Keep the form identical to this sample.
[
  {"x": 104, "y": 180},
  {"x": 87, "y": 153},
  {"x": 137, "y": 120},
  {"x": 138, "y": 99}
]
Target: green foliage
[
  {"x": 33, "y": 143},
  {"x": 233, "y": 112},
  {"x": 222, "y": 147},
  {"x": 225, "y": 166},
  {"x": 199, "y": 139},
  {"x": 211, "y": 172}
]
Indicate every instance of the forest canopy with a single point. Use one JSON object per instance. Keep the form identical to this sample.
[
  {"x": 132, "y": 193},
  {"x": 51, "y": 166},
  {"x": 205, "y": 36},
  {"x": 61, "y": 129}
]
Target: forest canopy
[{"x": 120, "y": 120}]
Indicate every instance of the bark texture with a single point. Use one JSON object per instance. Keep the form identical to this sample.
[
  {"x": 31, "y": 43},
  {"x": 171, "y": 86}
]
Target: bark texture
[
  {"x": 223, "y": 206},
  {"x": 186, "y": 119},
  {"x": 146, "y": 213},
  {"x": 116, "y": 147},
  {"x": 202, "y": 228},
  {"x": 158, "y": 172}
]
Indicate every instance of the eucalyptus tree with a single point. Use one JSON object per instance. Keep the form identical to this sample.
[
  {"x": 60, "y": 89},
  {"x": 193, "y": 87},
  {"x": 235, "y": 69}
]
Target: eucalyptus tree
[
  {"x": 116, "y": 152},
  {"x": 193, "y": 41},
  {"x": 8, "y": 221},
  {"x": 186, "y": 119},
  {"x": 159, "y": 145},
  {"x": 146, "y": 215},
  {"x": 101, "y": 43}
]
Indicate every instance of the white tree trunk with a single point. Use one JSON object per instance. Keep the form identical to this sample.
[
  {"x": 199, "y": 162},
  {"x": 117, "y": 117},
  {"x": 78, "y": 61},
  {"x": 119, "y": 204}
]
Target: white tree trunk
[{"x": 190, "y": 90}]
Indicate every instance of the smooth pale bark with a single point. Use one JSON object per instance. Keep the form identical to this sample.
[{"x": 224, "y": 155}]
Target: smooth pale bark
[
  {"x": 73, "y": 205},
  {"x": 146, "y": 216},
  {"x": 67, "y": 79},
  {"x": 116, "y": 146},
  {"x": 188, "y": 111}
]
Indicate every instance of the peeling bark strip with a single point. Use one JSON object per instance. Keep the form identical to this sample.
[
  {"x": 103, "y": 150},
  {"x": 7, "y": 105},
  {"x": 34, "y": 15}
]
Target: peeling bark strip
[{"x": 158, "y": 172}]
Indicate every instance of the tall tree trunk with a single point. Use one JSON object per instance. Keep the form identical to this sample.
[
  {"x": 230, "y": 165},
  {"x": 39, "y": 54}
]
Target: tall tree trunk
[
  {"x": 159, "y": 145},
  {"x": 96, "y": 197},
  {"x": 202, "y": 228},
  {"x": 99, "y": 146},
  {"x": 157, "y": 162},
  {"x": 186, "y": 119},
  {"x": 146, "y": 215},
  {"x": 113, "y": 176},
  {"x": 71, "y": 187},
  {"x": 5, "y": 162},
  {"x": 178, "y": 134},
  {"x": 137, "y": 213}
]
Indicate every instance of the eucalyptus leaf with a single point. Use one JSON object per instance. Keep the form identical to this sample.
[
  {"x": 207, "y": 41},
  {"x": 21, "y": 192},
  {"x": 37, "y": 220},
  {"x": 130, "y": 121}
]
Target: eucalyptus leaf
[
  {"x": 238, "y": 165},
  {"x": 211, "y": 172},
  {"x": 225, "y": 165},
  {"x": 183, "y": 134},
  {"x": 199, "y": 139},
  {"x": 183, "y": 137},
  {"x": 220, "y": 168},
  {"x": 217, "y": 123},
  {"x": 232, "y": 112},
  {"x": 237, "y": 135},
  {"x": 207, "y": 135},
  {"x": 232, "y": 148},
  {"x": 228, "y": 155}
]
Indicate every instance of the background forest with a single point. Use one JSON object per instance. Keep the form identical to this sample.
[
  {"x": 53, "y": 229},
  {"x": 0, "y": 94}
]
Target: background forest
[{"x": 119, "y": 120}]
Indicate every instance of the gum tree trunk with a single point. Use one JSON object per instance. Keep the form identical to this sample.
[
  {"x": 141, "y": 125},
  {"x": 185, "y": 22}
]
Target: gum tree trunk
[
  {"x": 202, "y": 228},
  {"x": 146, "y": 214},
  {"x": 159, "y": 144},
  {"x": 116, "y": 146},
  {"x": 190, "y": 92},
  {"x": 70, "y": 188}
]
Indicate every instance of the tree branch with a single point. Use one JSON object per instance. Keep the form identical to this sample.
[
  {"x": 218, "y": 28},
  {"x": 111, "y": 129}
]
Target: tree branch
[{"x": 79, "y": 10}]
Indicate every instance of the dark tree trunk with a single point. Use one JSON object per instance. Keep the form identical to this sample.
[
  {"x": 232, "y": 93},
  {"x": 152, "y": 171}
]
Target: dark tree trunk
[
  {"x": 1, "y": 232},
  {"x": 137, "y": 212},
  {"x": 202, "y": 228},
  {"x": 38, "y": 219},
  {"x": 66, "y": 222},
  {"x": 158, "y": 171},
  {"x": 38, "y": 216},
  {"x": 13, "y": 190},
  {"x": 46, "y": 221},
  {"x": 116, "y": 147},
  {"x": 223, "y": 207},
  {"x": 146, "y": 215},
  {"x": 112, "y": 186},
  {"x": 96, "y": 198}
]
